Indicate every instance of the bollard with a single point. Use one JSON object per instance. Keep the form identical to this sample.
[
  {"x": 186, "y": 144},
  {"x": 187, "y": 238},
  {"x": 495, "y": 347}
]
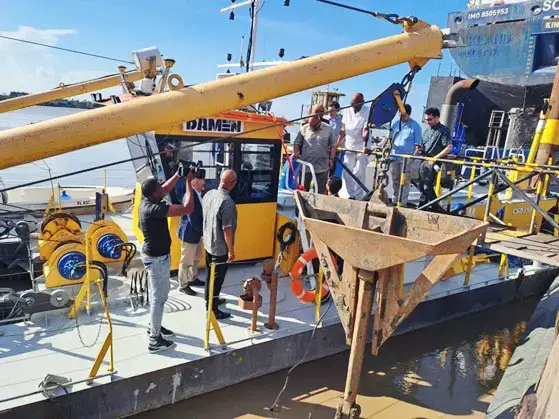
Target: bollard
[
  {"x": 255, "y": 305},
  {"x": 273, "y": 285}
]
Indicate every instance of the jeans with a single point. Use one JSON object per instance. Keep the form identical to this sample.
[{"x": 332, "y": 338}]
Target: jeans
[
  {"x": 188, "y": 267},
  {"x": 321, "y": 180},
  {"x": 220, "y": 271},
  {"x": 159, "y": 285}
]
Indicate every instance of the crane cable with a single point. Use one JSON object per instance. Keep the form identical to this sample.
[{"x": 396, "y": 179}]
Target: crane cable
[{"x": 66, "y": 49}]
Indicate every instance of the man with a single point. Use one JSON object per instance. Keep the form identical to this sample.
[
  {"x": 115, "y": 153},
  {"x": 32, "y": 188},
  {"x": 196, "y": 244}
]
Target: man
[
  {"x": 316, "y": 145},
  {"x": 335, "y": 123},
  {"x": 406, "y": 138},
  {"x": 334, "y": 185},
  {"x": 190, "y": 233},
  {"x": 436, "y": 143},
  {"x": 153, "y": 213},
  {"x": 220, "y": 223},
  {"x": 356, "y": 135}
]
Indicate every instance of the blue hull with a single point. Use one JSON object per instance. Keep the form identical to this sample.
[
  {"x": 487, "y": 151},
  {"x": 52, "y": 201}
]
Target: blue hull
[{"x": 512, "y": 48}]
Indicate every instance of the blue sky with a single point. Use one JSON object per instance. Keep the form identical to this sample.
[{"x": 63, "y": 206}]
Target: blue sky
[{"x": 198, "y": 37}]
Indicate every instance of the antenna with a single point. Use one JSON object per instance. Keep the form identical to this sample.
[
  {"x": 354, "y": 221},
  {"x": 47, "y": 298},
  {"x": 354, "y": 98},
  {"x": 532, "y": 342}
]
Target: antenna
[{"x": 255, "y": 6}]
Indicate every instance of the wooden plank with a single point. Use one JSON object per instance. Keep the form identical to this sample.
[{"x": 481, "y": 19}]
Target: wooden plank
[
  {"x": 388, "y": 290},
  {"x": 535, "y": 256},
  {"x": 340, "y": 289},
  {"x": 544, "y": 238},
  {"x": 364, "y": 307}
]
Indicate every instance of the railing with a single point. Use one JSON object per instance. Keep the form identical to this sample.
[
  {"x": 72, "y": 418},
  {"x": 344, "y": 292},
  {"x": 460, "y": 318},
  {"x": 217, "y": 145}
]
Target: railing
[{"x": 498, "y": 174}]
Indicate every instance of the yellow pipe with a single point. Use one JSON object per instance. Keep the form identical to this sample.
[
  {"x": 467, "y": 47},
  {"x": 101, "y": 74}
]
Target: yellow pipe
[
  {"x": 537, "y": 138},
  {"x": 438, "y": 183},
  {"x": 84, "y": 129},
  {"x": 471, "y": 187},
  {"x": 67, "y": 91}
]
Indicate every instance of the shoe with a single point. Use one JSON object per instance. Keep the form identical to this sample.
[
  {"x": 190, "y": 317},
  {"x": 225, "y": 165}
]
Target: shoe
[
  {"x": 188, "y": 291},
  {"x": 160, "y": 344},
  {"x": 166, "y": 333},
  {"x": 221, "y": 315},
  {"x": 196, "y": 283},
  {"x": 221, "y": 301}
]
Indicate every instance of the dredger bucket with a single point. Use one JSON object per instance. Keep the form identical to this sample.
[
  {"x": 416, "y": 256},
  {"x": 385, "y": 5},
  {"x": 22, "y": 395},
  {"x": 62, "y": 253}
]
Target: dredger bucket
[{"x": 375, "y": 241}]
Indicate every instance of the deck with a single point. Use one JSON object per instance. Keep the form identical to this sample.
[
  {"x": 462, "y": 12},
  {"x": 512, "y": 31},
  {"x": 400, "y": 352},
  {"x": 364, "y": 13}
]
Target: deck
[
  {"x": 543, "y": 248},
  {"x": 53, "y": 344}
]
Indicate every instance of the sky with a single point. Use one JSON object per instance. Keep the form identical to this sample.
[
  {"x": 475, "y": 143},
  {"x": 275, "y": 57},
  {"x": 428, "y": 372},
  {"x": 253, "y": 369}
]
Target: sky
[{"x": 198, "y": 37}]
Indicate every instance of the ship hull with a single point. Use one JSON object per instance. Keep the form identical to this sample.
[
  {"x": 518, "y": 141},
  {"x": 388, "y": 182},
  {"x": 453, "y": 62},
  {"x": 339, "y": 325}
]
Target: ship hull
[{"x": 512, "y": 48}]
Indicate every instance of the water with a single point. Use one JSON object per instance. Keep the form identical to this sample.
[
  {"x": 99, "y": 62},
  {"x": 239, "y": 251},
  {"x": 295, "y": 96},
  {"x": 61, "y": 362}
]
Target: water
[
  {"x": 121, "y": 175},
  {"x": 445, "y": 371}
]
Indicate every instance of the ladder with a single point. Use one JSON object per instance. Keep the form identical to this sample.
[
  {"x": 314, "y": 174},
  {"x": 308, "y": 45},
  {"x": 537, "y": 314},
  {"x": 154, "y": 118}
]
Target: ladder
[{"x": 496, "y": 124}]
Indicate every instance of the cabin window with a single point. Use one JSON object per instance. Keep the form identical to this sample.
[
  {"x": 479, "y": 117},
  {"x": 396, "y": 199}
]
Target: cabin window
[
  {"x": 147, "y": 163},
  {"x": 258, "y": 172},
  {"x": 256, "y": 163}
]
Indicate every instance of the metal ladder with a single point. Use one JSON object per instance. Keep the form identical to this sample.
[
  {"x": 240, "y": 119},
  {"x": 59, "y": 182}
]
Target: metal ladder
[{"x": 496, "y": 125}]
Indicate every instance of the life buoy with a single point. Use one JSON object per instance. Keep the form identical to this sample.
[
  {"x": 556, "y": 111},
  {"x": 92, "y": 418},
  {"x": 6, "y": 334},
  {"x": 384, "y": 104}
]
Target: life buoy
[{"x": 304, "y": 295}]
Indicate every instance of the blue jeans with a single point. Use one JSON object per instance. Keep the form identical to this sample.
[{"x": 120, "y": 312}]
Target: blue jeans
[{"x": 159, "y": 286}]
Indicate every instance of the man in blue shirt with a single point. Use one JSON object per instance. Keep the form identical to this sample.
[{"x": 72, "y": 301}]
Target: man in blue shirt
[{"x": 406, "y": 136}]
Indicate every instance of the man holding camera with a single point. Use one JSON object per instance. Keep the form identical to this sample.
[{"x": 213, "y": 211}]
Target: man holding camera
[
  {"x": 190, "y": 233},
  {"x": 153, "y": 213}
]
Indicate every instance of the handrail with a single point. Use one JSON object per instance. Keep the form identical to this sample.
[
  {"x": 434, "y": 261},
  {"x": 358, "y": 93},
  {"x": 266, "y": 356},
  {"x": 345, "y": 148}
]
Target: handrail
[{"x": 523, "y": 167}]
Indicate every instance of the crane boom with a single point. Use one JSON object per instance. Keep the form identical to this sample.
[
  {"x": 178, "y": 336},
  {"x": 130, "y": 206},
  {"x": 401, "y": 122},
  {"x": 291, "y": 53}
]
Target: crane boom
[
  {"x": 416, "y": 45},
  {"x": 64, "y": 91}
]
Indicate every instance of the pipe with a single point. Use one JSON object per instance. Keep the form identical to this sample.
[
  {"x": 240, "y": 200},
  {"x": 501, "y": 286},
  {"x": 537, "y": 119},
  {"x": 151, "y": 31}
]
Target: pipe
[
  {"x": 67, "y": 91},
  {"x": 549, "y": 142},
  {"x": 448, "y": 110},
  {"x": 417, "y": 44}
]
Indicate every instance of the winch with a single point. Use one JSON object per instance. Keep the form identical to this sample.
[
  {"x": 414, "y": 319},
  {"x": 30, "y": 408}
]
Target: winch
[{"x": 110, "y": 244}]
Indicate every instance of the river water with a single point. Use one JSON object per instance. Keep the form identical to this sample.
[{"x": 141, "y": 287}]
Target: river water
[
  {"x": 446, "y": 371},
  {"x": 121, "y": 175}
]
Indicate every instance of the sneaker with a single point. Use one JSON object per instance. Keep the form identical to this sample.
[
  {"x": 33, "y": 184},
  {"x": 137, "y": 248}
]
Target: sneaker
[
  {"x": 197, "y": 283},
  {"x": 221, "y": 315},
  {"x": 188, "y": 291},
  {"x": 160, "y": 344},
  {"x": 166, "y": 333}
]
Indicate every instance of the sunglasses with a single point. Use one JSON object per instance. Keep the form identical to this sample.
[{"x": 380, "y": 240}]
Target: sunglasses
[{"x": 429, "y": 119}]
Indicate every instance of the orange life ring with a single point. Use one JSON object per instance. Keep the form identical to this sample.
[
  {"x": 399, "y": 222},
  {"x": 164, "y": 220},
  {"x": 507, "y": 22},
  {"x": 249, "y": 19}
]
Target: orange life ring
[{"x": 304, "y": 295}]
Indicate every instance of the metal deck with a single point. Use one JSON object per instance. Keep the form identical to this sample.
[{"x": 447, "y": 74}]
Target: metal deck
[{"x": 51, "y": 343}]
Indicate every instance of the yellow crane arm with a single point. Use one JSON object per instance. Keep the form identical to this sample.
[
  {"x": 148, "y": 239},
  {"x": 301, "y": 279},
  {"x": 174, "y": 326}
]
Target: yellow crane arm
[
  {"x": 416, "y": 45},
  {"x": 67, "y": 91}
]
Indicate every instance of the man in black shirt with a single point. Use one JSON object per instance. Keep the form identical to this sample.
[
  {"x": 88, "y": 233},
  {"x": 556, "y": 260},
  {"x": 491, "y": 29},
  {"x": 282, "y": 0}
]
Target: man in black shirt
[
  {"x": 436, "y": 143},
  {"x": 153, "y": 213}
]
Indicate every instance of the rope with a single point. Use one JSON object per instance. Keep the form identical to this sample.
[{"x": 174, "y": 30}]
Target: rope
[
  {"x": 275, "y": 407},
  {"x": 66, "y": 49}
]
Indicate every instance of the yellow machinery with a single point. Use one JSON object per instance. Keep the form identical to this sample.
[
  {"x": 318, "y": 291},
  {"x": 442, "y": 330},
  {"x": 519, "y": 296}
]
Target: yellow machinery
[{"x": 253, "y": 151}]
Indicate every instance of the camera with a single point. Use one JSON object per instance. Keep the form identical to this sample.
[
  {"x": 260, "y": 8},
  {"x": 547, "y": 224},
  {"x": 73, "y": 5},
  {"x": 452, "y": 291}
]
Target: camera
[{"x": 187, "y": 166}]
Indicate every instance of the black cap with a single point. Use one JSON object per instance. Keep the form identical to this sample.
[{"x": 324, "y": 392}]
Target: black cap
[
  {"x": 335, "y": 105},
  {"x": 149, "y": 186},
  {"x": 200, "y": 173}
]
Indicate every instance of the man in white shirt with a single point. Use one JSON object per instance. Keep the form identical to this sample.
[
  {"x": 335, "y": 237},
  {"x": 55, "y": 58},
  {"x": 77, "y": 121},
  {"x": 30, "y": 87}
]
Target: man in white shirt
[{"x": 356, "y": 135}]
